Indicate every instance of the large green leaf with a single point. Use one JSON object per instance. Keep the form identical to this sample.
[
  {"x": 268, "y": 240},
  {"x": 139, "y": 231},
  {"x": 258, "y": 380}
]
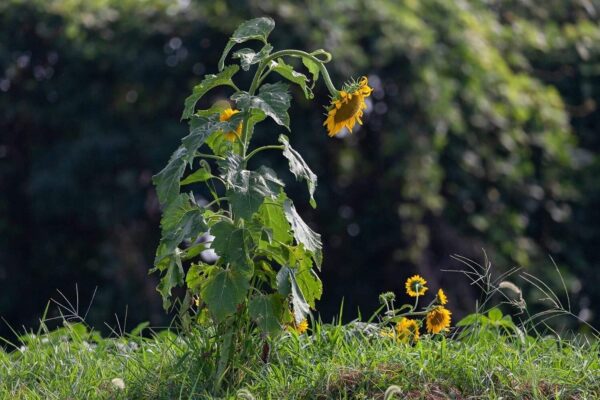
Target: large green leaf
[
  {"x": 271, "y": 215},
  {"x": 299, "y": 168},
  {"x": 233, "y": 244},
  {"x": 246, "y": 190},
  {"x": 287, "y": 71},
  {"x": 223, "y": 291},
  {"x": 249, "y": 57},
  {"x": 209, "y": 82},
  {"x": 299, "y": 304},
  {"x": 266, "y": 311},
  {"x": 302, "y": 233},
  {"x": 167, "y": 180},
  {"x": 254, "y": 29},
  {"x": 309, "y": 283},
  {"x": 273, "y": 99}
]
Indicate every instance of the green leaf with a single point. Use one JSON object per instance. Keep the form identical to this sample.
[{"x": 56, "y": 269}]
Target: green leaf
[
  {"x": 201, "y": 128},
  {"x": 302, "y": 233},
  {"x": 202, "y": 174},
  {"x": 173, "y": 277},
  {"x": 284, "y": 284},
  {"x": 495, "y": 314},
  {"x": 246, "y": 190},
  {"x": 224, "y": 291},
  {"x": 266, "y": 311},
  {"x": 273, "y": 99},
  {"x": 254, "y": 29},
  {"x": 233, "y": 245},
  {"x": 313, "y": 68},
  {"x": 271, "y": 215},
  {"x": 287, "y": 71},
  {"x": 299, "y": 168},
  {"x": 249, "y": 57},
  {"x": 197, "y": 275},
  {"x": 309, "y": 283},
  {"x": 299, "y": 304},
  {"x": 167, "y": 180},
  {"x": 209, "y": 82}
]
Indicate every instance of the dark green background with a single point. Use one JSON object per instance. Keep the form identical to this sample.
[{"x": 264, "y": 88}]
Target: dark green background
[{"x": 482, "y": 133}]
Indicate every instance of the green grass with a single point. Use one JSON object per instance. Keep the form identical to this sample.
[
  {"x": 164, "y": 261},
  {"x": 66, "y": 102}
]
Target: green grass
[{"x": 332, "y": 362}]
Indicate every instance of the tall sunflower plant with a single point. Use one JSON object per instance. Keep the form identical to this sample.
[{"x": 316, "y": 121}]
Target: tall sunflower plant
[{"x": 264, "y": 277}]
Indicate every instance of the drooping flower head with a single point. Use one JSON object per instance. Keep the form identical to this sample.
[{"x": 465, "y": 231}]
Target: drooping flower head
[
  {"x": 225, "y": 115},
  {"x": 437, "y": 319},
  {"x": 407, "y": 330},
  {"x": 415, "y": 286},
  {"x": 441, "y": 297},
  {"x": 346, "y": 108}
]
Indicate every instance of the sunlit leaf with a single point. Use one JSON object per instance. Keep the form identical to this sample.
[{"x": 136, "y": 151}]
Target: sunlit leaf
[
  {"x": 302, "y": 233},
  {"x": 287, "y": 71}
]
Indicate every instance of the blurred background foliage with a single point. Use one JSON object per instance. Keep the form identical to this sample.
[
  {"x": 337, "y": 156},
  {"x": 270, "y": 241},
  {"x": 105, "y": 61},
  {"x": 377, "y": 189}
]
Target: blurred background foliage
[{"x": 482, "y": 133}]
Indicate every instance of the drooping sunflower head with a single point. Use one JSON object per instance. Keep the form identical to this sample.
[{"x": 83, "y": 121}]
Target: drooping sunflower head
[
  {"x": 415, "y": 286},
  {"x": 441, "y": 297},
  {"x": 437, "y": 319},
  {"x": 225, "y": 115},
  {"x": 346, "y": 108},
  {"x": 407, "y": 330}
]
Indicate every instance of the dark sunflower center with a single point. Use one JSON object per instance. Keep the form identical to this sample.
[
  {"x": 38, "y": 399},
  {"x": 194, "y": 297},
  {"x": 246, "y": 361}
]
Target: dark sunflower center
[
  {"x": 437, "y": 318},
  {"x": 347, "y": 110}
]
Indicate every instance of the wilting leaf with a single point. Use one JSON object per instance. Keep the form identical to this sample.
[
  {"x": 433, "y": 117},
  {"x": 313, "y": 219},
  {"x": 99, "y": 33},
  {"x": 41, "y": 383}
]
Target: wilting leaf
[
  {"x": 249, "y": 57},
  {"x": 302, "y": 233},
  {"x": 167, "y": 180},
  {"x": 299, "y": 168}
]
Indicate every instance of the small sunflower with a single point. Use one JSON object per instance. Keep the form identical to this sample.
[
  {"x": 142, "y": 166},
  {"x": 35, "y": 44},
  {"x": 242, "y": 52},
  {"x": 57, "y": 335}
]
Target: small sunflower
[
  {"x": 437, "y": 320},
  {"x": 225, "y": 115},
  {"x": 346, "y": 109},
  {"x": 301, "y": 327},
  {"x": 415, "y": 286},
  {"x": 441, "y": 297},
  {"x": 407, "y": 330}
]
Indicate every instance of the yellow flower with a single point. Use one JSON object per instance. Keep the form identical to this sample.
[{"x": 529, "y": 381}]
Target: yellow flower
[
  {"x": 301, "y": 327},
  {"x": 346, "y": 109},
  {"x": 441, "y": 297},
  {"x": 407, "y": 330},
  {"x": 437, "y": 320},
  {"x": 225, "y": 115},
  {"x": 415, "y": 286}
]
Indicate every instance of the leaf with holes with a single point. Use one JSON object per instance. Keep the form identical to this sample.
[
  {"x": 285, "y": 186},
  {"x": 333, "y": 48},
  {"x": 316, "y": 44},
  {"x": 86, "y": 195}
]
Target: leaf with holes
[
  {"x": 273, "y": 100},
  {"x": 254, "y": 29}
]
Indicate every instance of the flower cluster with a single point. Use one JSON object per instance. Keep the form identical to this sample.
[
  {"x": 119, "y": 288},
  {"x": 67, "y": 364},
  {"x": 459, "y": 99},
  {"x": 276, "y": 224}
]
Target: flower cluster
[{"x": 435, "y": 316}]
